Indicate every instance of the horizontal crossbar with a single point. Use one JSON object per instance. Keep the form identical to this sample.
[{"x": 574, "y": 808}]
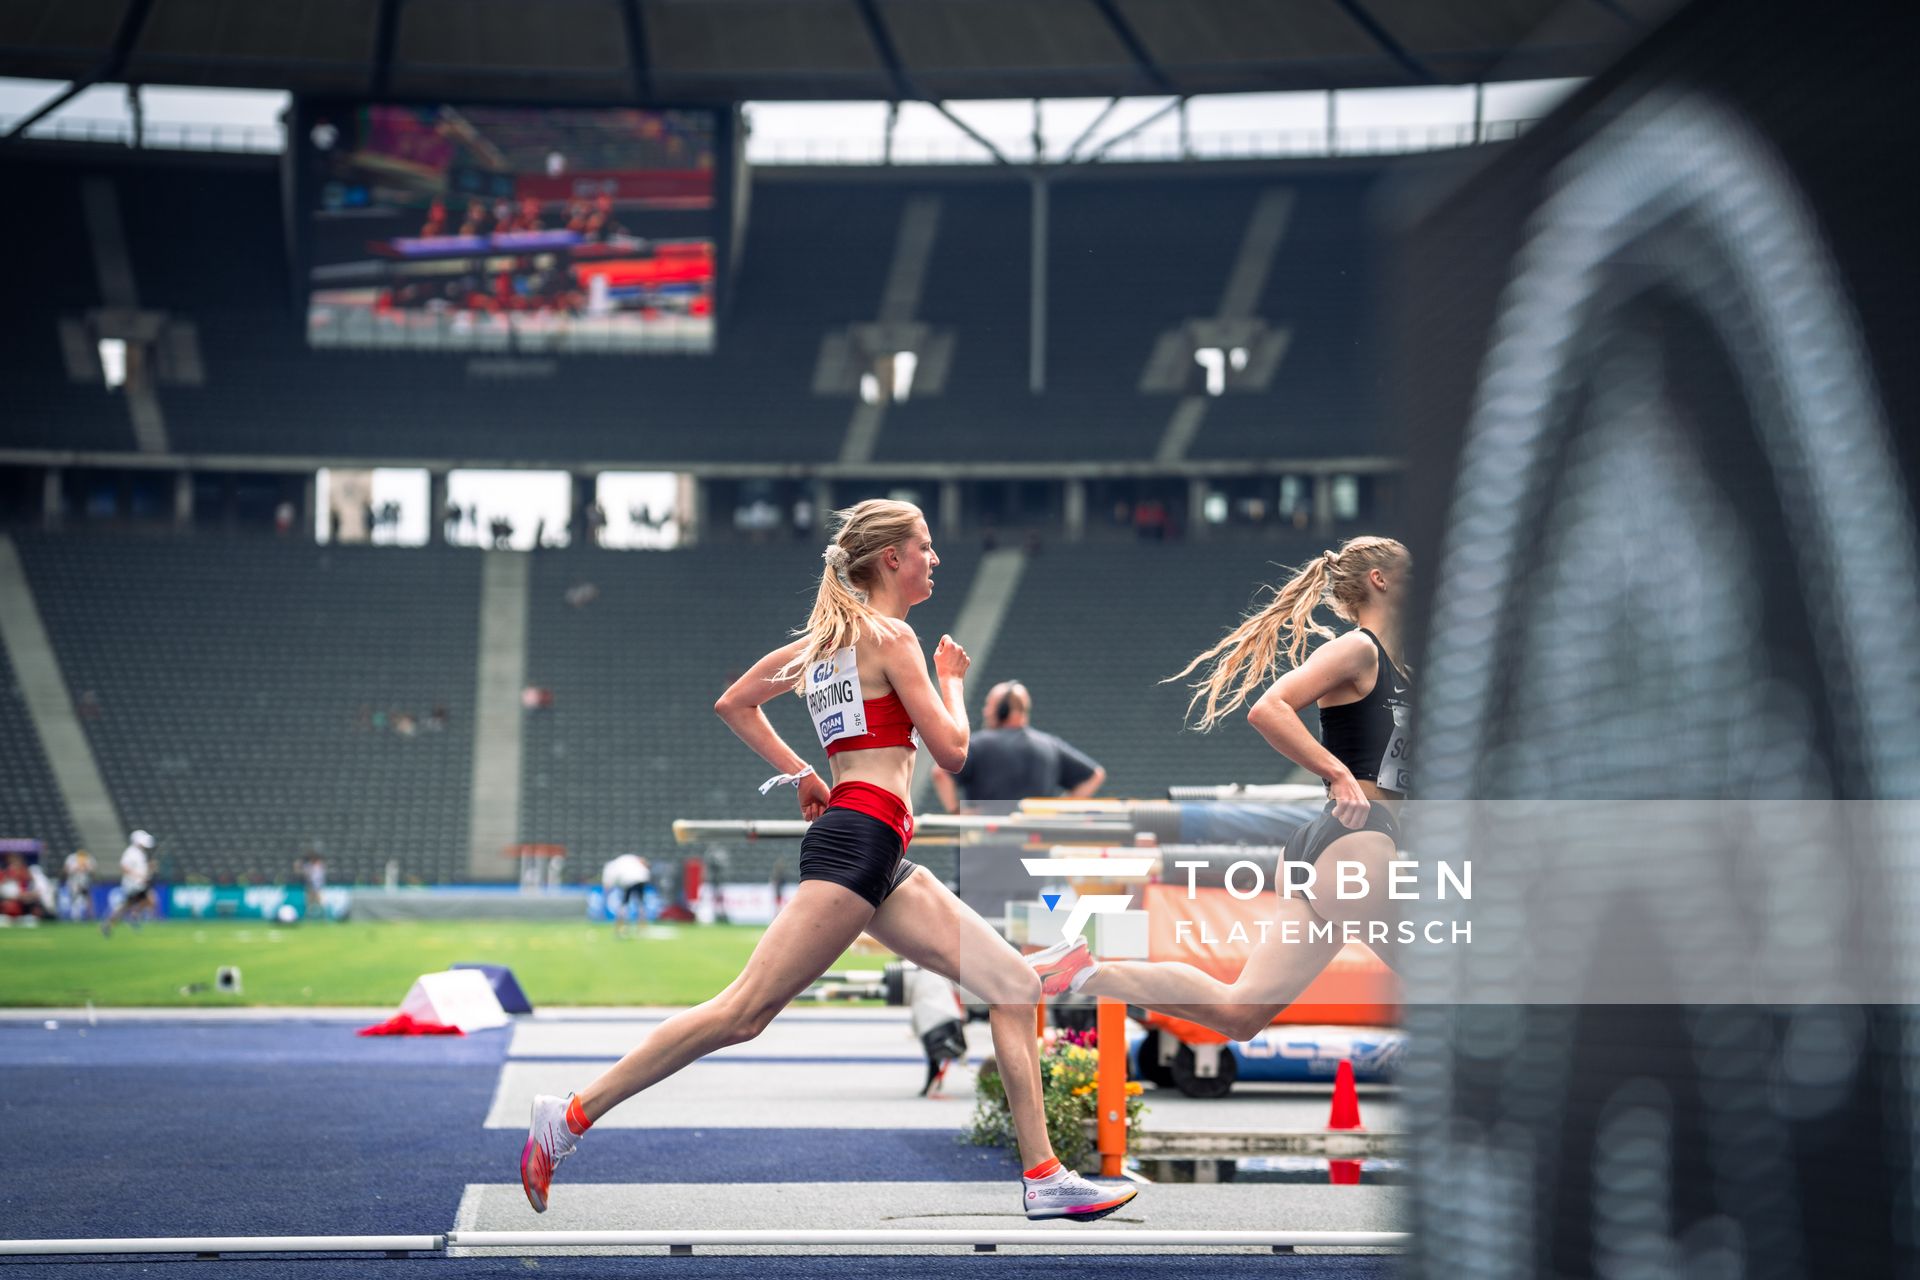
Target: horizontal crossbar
[
  {"x": 687, "y": 830},
  {"x": 1038, "y": 1237},
  {"x": 681, "y": 1241},
  {"x": 226, "y": 1244}
]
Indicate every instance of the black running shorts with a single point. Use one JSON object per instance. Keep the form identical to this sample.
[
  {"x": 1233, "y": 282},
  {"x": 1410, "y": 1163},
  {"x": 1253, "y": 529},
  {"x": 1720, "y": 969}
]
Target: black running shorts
[
  {"x": 857, "y": 852},
  {"x": 1310, "y": 840}
]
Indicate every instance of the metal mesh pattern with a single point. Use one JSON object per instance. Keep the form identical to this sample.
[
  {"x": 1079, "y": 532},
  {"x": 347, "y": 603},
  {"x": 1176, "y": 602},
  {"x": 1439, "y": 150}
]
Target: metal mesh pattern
[{"x": 1675, "y": 559}]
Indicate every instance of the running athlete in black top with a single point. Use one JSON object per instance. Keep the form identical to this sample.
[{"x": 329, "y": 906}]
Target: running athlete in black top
[{"x": 1365, "y": 756}]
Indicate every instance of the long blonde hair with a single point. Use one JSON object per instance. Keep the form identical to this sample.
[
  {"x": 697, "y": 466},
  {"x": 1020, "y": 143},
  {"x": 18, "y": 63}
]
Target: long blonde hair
[
  {"x": 841, "y": 615},
  {"x": 1246, "y": 655}
]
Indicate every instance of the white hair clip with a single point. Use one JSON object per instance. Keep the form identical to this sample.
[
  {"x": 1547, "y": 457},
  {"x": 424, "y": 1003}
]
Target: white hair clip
[{"x": 837, "y": 560}]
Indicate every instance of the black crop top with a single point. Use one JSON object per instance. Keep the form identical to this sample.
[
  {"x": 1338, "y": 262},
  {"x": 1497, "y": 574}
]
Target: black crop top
[{"x": 1374, "y": 736}]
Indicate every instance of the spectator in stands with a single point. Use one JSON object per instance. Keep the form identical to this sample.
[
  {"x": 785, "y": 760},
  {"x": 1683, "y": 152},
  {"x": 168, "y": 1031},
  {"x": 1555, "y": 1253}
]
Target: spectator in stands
[
  {"x": 78, "y": 875},
  {"x": 437, "y": 718},
  {"x": 1012, "y": 760},
  {"x": 283, "y": 519},
  {"x": 136, "y": 883}
]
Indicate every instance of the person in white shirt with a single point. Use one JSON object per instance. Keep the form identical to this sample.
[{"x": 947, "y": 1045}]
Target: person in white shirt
[
  {"x": 625, "y": 881},
  {"x": 136, "y": 888},
  {"x": 77, "y": 872}
]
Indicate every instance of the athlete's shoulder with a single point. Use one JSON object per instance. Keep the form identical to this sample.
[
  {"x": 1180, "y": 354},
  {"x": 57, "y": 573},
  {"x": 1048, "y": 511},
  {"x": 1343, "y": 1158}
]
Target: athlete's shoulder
[
  {"x": 1353, "y": 651},
  {"x": 894, "y": 631}
]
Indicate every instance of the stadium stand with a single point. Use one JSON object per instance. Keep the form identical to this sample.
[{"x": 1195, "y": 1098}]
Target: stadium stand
[
  {"x": 30, "y": 803},
  {"x": 818, "y": 258},
  {"x": 976, "y": 287},
  {"x": 1128, "y": 264},
  {"x": 1323, "y": 400},
  {"x": 50, "y": 277},
  {"x": 1127, "y": 261},
  {"x": 251, "y": 694}
]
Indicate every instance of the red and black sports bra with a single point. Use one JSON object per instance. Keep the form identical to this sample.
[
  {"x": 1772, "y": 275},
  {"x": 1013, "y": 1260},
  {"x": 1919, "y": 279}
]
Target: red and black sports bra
[{"x": 888, "y": 725}]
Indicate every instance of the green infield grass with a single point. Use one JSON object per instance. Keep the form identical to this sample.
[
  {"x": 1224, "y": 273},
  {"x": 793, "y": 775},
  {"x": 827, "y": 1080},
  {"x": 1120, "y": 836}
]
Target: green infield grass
[{"x": 172, "y": 963}]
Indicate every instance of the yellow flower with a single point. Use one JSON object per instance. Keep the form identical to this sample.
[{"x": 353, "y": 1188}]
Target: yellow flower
[{"x": 1135, "y": 1088}]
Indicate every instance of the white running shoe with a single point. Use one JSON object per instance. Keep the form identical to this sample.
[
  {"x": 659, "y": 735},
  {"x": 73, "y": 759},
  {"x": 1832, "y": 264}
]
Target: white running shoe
[
  {"x": 1065, "y": 1194},
  {"x": 549, "y": 1141},
  {"x": 1065, "y": 966}
]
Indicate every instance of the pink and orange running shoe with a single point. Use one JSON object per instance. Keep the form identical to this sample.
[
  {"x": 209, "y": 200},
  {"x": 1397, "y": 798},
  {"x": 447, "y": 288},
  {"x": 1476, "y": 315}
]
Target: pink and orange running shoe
[
  {"x": 1064, "y": 966},
  {"x": 550, "y": 1139},
  {"x": 1059, "y": 1192}
]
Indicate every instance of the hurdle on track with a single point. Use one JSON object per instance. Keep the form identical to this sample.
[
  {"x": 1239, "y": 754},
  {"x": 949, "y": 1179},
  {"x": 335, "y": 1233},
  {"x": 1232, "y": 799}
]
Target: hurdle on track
[
  {"x": 687, "y": 830},
  {"x": 980, "y": 1241},
  {"x": 226, "y": 1244}
]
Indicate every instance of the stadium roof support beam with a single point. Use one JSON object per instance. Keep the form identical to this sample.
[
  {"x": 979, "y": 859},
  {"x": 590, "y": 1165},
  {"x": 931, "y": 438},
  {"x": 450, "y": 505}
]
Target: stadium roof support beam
[
  {"x": 131, "y": 24},
  {"x": 1137, "y": 50},
  {"x": 639, "y": 55},
  {"x": 889, "y": 54},
  {"x": 385, "y": 31},
  {"x": 1384, "y": 38},
  {"x": 1122, "y": 136},
  {"x": 1086, "y": 133},
  {"x": 998, "y": 156}
]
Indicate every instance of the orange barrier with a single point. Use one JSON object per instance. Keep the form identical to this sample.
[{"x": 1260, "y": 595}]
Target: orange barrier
[
  {"x": 1110, "y": 1089},
  {"x": 1355, "y": 990}
]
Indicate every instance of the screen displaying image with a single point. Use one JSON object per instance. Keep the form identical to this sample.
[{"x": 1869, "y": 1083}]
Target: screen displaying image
[{"x": 555, "y": 229}]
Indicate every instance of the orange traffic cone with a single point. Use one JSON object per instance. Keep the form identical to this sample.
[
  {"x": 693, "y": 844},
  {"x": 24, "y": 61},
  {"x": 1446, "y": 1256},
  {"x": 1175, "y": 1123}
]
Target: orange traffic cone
[
  {"x": 1343, "y": 1173},
  {"x": 1346, "y": 1102}
]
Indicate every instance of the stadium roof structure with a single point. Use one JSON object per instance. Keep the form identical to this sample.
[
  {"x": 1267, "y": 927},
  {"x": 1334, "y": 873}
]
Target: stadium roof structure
[{"x": 720, "y": 51}]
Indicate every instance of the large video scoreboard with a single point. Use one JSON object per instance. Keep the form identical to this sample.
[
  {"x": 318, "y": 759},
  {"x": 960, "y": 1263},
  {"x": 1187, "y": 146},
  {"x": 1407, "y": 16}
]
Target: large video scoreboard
[{"x": 524, "y": 229}]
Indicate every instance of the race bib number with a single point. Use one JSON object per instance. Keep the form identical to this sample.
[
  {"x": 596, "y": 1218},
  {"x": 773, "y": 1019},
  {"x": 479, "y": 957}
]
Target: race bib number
[
  {"x": 834, "y": 698},
  {"x": 1396, "y": 765}
]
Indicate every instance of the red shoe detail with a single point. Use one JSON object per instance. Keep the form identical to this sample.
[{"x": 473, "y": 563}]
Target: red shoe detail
[
  {"x": 536, "y": 1174},
  {"x": 1056, "y": 976}
]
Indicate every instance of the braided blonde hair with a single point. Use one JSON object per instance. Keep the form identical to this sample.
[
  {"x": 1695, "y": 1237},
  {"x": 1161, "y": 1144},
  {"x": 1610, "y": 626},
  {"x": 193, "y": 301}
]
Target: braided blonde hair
[{"x": 1246, "y": 656}]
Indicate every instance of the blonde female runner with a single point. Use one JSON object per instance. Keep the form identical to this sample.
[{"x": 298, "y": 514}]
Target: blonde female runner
[
  {"x": 863, "y": 675},
  {"x": 1364, "y": 754}
]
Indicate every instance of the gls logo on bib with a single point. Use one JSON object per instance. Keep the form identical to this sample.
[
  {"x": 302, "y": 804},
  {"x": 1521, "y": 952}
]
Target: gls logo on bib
[{"x": 835, "y": 702}]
